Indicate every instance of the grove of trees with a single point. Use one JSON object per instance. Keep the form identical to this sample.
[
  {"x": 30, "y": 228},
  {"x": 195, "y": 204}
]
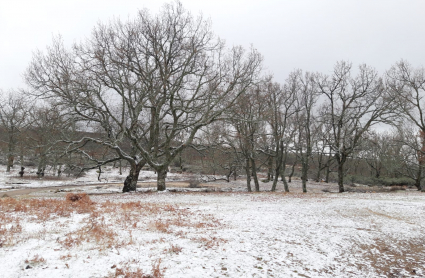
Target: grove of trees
[{"x": 149, "y": 90}]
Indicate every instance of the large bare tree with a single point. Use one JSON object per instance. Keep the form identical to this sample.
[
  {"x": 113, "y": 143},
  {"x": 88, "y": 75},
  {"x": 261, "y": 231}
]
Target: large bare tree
[
  {"x": 150, "y": 83},
  {"x": 352, "y": 106}
]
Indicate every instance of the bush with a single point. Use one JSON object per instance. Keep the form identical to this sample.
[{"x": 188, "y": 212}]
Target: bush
[
  {"x": 194, "y": 183},
  {"x": 73, "y": 197},
  {"x": 384, "y": 181}
]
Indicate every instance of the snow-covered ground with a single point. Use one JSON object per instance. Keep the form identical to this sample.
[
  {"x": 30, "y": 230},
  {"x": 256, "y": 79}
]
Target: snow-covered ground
[
  {"x": 219, "y": 234},
  {"x": 109, "y": 175}
]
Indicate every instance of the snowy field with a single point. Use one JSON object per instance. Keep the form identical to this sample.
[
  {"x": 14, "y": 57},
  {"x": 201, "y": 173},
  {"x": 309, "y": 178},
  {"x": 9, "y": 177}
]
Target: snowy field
[{"x": 216, "y": 234}]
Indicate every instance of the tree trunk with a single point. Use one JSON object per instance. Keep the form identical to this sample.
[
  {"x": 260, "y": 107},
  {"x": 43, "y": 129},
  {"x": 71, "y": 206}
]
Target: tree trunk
[
  {"x": 292, "y": 172},
  {"x": 328, "y": 171},
  {"x": 341, "y": 162},
  {"x": 318, "y": 174},
  {"x": 162, "y": 174},
  {"x": 304, "y": 176},
  {"x": 41, "y": 166},
  {"x": 270, "y": 168},
  {"x": 10, "y": 159},
  {"x": 130, "y": 183},
  {"x": 248, "y": 176},
  {"x": 254, "y": 174},
  {"x": 275, "y": 179},
  {"x": 10, "y": 153},
  {"x": 285, "y": 183}
]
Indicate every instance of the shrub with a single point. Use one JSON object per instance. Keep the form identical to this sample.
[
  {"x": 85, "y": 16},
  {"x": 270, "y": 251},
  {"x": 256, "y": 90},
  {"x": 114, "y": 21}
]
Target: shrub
[
  {"x": 75, "y": 197},
  {"x": 194, "y": 183}
]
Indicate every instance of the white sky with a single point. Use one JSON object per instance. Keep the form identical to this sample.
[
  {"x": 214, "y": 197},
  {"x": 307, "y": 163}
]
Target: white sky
[{"x": 308, "y": 34}]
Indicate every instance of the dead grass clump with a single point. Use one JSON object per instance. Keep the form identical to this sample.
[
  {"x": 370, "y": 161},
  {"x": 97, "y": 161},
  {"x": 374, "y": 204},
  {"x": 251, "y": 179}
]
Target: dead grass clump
[
  {"x": 74, "y": 197},
  {"x": 210, "y": 242},
  {"x": 157, "y": 270},
  {"x": 93, "y": 232},
  {"x": 36, "y": 260},
  {"x": 174, "y": 249},
  {"x": 161, "y": 226},
  {"x": 400, "y": 258},
  {"x": 80, "y": 202},
  {"x": 127, "y": 272}
]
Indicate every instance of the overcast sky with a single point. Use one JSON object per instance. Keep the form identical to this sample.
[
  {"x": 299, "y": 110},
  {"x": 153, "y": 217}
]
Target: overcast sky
[{"x": 308, "y": 34}]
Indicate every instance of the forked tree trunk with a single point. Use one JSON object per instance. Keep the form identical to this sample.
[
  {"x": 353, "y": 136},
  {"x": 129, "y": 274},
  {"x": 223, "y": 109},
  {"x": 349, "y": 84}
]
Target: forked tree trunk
[
  {"x": 130, "y": 183},
  {"x": 283, "y": 170},
  {"x": 275, "y": 179},
  {"x": 254, "y": 174},
  {"x": 283, "y": 178},
  {"x": 270, "y": 168}
]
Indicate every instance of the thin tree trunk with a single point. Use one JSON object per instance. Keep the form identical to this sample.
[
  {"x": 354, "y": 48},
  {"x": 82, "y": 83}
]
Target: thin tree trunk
[
  {"x": 270, "y": 168},
  {"x": 282, "y": 172},
  {"x": 276, "y": 178},
  {"x": 292, "y": 172},
  {"x": 285, "y": 183},
  {"x": 41, "y": 166},
  {"x": 304, "y": 174},
  {"x": 248, "y": 176},
  {"x": 254, "y": 174}
]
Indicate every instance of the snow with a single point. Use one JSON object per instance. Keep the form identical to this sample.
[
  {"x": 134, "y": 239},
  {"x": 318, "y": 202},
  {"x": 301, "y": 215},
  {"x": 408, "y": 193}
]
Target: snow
[
  {"x": 109, "y": 174},
  {"x": 223, "y": 234}
]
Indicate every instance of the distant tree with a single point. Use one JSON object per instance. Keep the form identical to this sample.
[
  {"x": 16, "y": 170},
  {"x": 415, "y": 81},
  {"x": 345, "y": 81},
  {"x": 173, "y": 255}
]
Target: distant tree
[
  {"x": 247, "y": 120},
  {"x": 48, "y": 127},
  {"x": 14, "y": 110},
  {"x": 307, "y": 96},
  {"x": 410, "y": 161},
  {"x": 150, "y": 83},
  {"x": 281, "y": 102},
  {"x": 406, "y": 86}
]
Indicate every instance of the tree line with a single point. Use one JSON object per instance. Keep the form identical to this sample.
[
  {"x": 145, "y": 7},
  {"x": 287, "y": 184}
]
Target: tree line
[{"x": 145, "y": 90}]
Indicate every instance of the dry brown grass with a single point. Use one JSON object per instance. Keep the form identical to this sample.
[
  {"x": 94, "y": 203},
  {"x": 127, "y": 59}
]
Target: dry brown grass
[
  {"x": 102, "y": 226},
  {"x": 394, "y": 257},
  {"x": 36, "y": 260},
  {"x": 127, "y": 272},
  {"x": 174, "y": 249}
]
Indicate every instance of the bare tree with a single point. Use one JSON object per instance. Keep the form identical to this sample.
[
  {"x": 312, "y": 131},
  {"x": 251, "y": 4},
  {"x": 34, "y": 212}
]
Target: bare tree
[
  {"x": 280, "y": 118},
  {"x": 407, "y": 87},
  {"x": 410, "y": 160},
  {"x": 247, "y": 119},
  {"x": 353, "y": 105},
  {"x": 307, "y": 95},
  {"x": 47, "y": 128},
  {"x": 14, "y": 110},
  {"x": 149, "y": 83}
]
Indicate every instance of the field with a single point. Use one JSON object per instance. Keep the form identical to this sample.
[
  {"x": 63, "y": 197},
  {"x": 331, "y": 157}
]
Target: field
[{"x": 90, "y": 230}]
